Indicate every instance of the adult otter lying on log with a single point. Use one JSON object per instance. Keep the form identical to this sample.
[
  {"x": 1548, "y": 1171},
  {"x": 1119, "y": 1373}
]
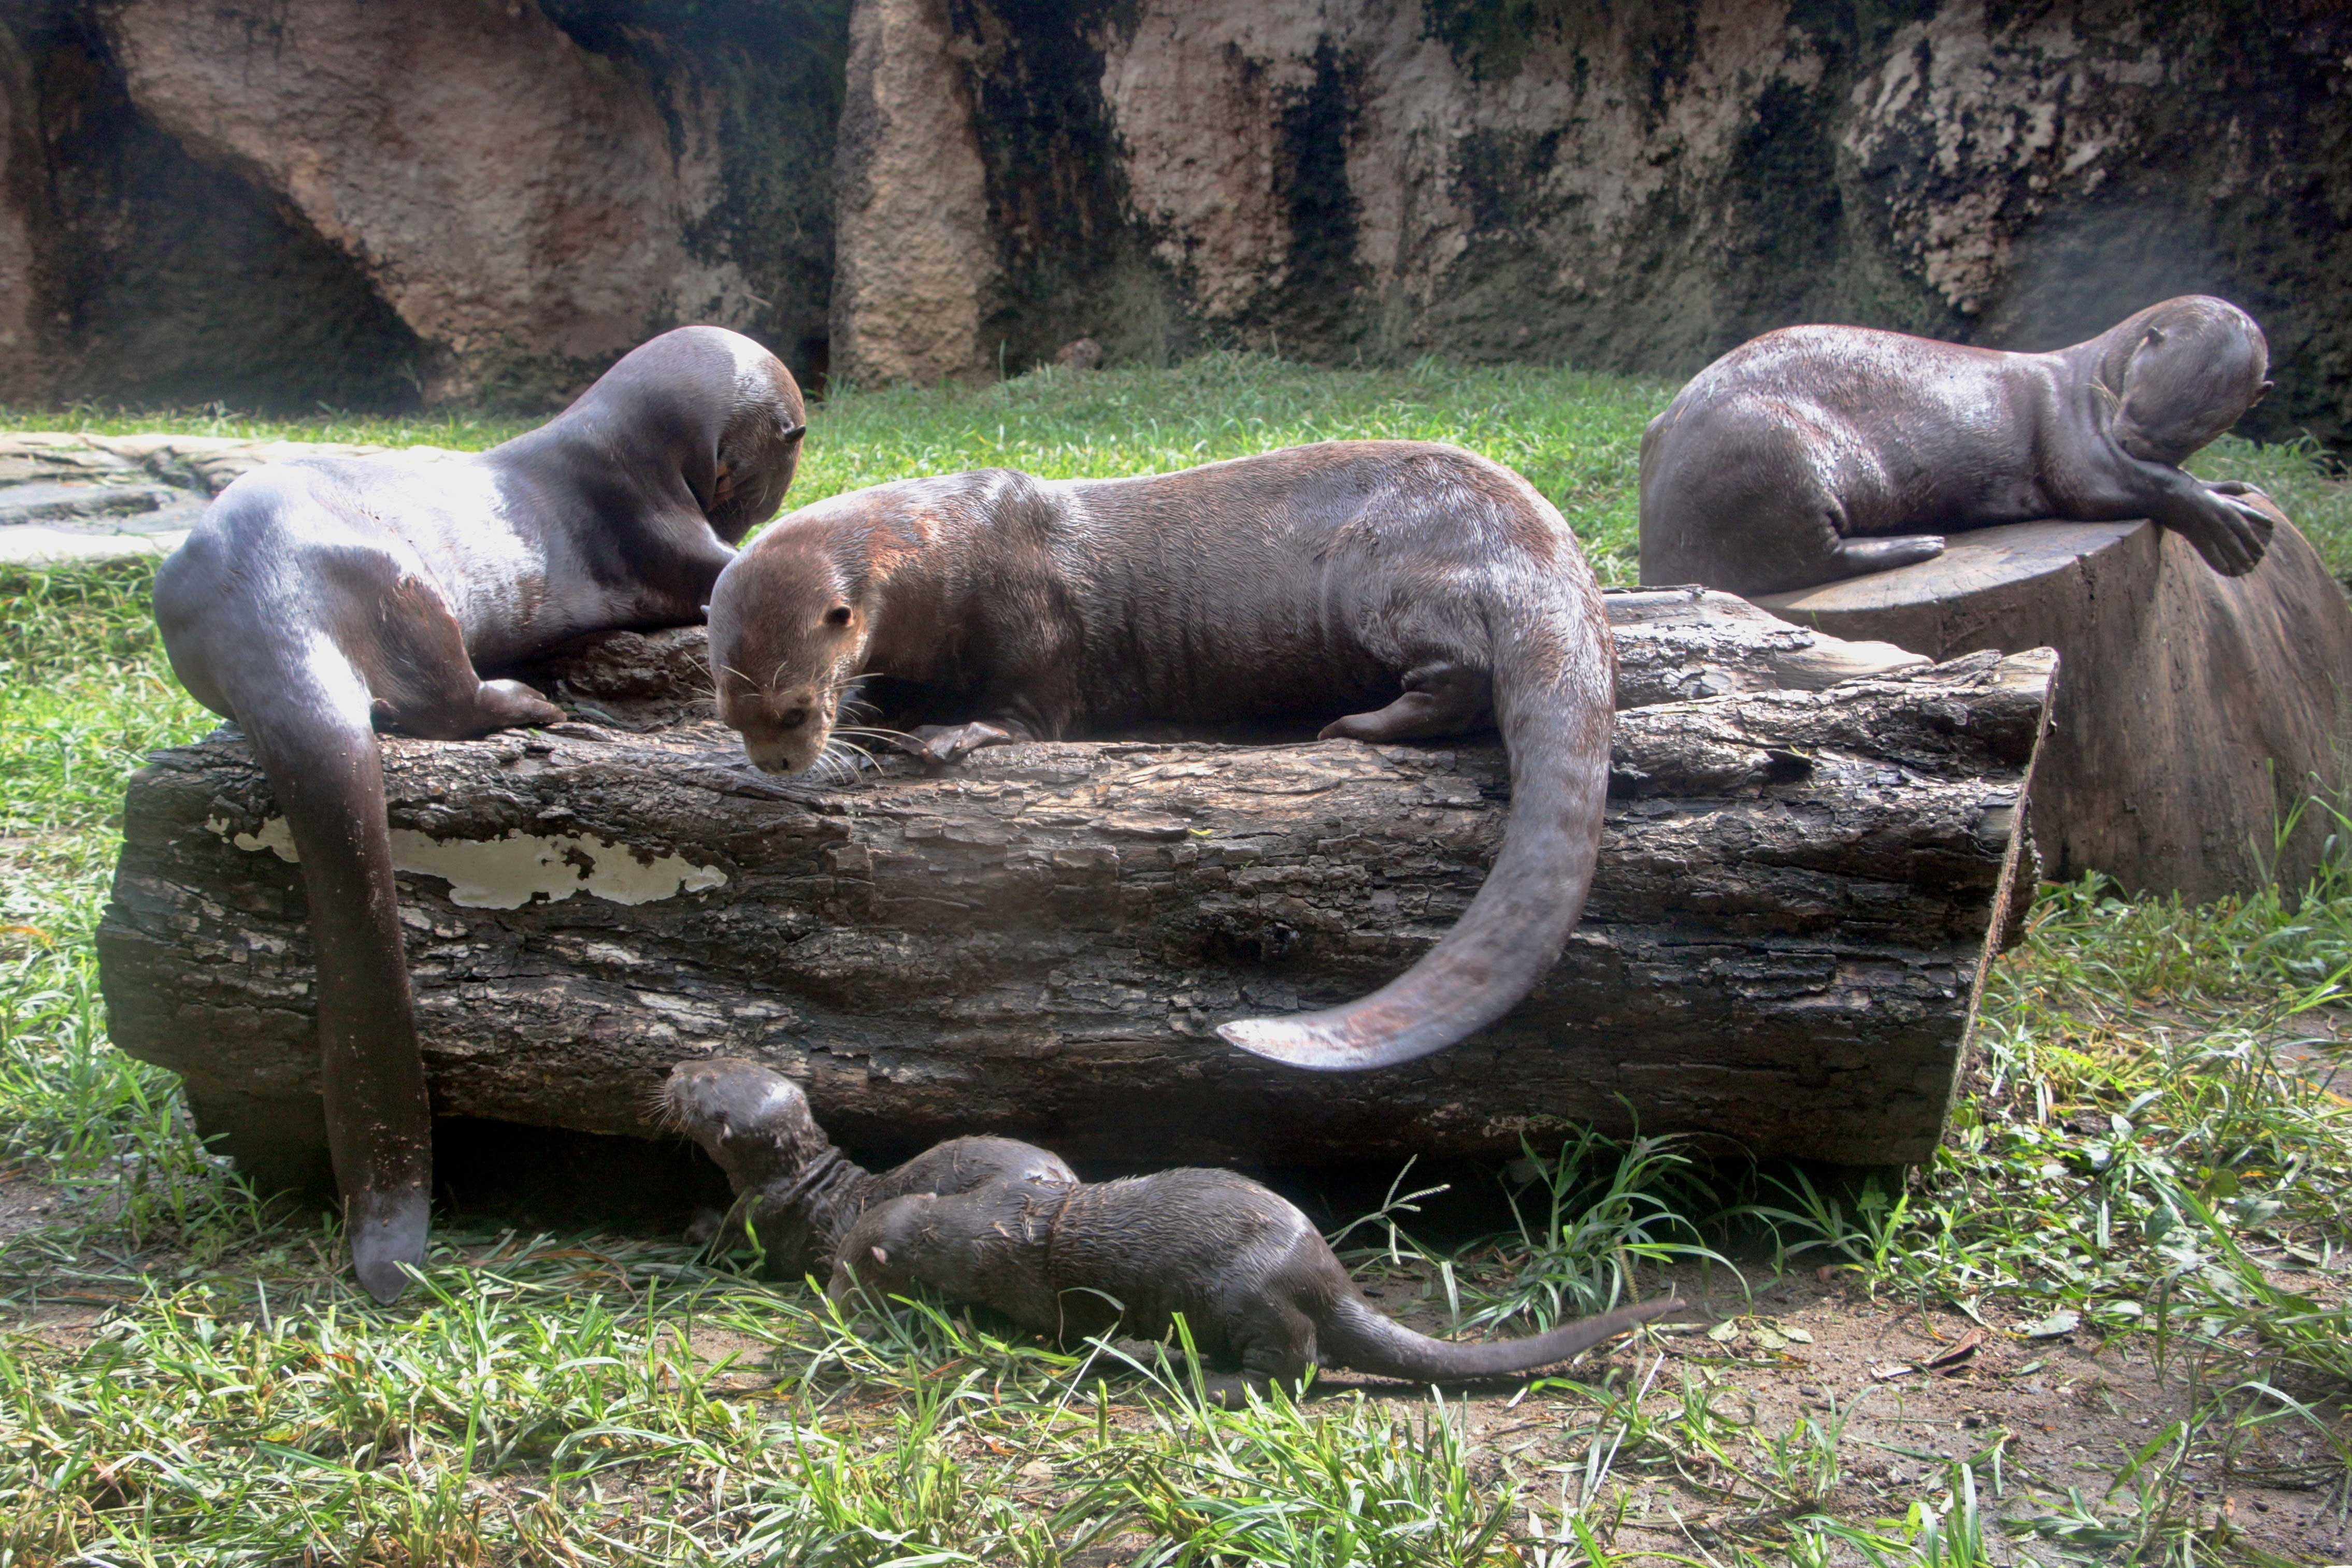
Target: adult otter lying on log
[
  {"x": 796, "y": 1191},
  {"x": 1256, "y": 1285},
  {"x": 1818, "y": 453},
  {"x": 322, "y": 598},
  {"x": 1296, "y": 583}
]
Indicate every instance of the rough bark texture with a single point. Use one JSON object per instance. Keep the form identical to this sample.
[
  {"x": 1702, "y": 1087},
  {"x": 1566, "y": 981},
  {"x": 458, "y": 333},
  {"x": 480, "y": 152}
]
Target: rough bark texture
[
  {"x": 1796, "y": 895},
  {"x": 2198, "y": 715}
]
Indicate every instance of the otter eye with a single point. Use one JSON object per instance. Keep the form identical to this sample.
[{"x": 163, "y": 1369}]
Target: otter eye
[{"x": 838, "y": 616}]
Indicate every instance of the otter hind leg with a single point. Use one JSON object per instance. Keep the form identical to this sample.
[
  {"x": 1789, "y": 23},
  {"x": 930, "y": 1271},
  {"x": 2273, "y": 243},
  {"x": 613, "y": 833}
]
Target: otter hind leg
[
  {"x": 1276, "y": 1347},
  {"x": 423, "y": 681},
  {"x": 1438, "y": 699},
  {"x": 1860, "y": 557}
]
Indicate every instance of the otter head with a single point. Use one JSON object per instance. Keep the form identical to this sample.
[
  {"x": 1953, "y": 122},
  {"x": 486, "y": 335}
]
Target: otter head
[
  {"x": 751, "y": 1119},
  {"x": 2183, "y": 372},
  {"x": 789, "y": 631},
  {"x": 875, "y": 1257},
  {"x": 716, "y": 417}
]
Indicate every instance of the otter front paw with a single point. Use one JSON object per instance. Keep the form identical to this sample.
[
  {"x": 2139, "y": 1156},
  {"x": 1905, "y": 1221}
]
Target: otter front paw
[
  {"x": 2235, "y": 533},
  {"x": 942, "y": 744}
]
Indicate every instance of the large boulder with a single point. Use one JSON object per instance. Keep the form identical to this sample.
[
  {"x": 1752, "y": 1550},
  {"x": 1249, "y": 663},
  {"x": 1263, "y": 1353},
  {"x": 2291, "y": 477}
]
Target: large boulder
[
  {"x": 1636, "y": 187},
  {"x": 913, "y": 253},
  {"x": 513, "y": 197},
  {"x": 371, "y": 204}
]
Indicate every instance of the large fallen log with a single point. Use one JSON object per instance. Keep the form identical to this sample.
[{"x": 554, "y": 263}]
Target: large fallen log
[{"x": 1798, "y": 890}]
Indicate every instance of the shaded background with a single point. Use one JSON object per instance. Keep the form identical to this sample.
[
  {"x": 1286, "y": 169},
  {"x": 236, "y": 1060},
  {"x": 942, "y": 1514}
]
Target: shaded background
[{"x": 377, "y": 205}]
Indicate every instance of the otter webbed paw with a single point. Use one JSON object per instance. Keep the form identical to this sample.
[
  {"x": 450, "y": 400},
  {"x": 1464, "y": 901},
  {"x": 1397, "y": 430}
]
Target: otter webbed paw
[
  {"x": 942, "y": 744},
  {"x": 2232, "y": 534}
]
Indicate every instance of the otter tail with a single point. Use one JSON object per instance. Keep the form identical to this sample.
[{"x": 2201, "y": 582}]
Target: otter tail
[
  {"x": 1357, "y": 1336},
  {"x": 309, "y": 725},
  {"x": 1554, "y": 696}
]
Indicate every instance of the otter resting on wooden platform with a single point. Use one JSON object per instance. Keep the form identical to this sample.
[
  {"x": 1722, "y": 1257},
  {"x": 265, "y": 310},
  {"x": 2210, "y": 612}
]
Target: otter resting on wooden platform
[
  {"x": 1815, "y": 454},
  {"x": 1257, "y": 1286}
]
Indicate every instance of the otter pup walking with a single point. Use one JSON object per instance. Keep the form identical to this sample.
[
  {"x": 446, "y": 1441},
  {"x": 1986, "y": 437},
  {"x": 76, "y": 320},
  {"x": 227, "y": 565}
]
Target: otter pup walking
[
  {"x": 1258, "y": 1285},
  {"x": 1819, "y": 453},
  {"x": 321, "y": 599},
  {"x": 797, "y": 1192},
  {"x": 1417, "y": 589}
]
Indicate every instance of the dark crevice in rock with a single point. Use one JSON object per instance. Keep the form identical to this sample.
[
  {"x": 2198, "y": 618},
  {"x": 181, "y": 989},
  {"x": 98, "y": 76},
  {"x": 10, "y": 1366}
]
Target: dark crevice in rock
[{"x": 169, "y": 282}]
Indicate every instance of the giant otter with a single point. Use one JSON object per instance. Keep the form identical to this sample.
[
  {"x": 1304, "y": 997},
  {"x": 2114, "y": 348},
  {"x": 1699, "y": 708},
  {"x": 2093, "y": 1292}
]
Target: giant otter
[
  {"x": 1818, "y": 453},
  {"x": 793, "y": 1189},
  {"x": 1256, "y": 1285},
  {"x": 320, "y": 599},
  {"x": 1434, "y": 589}
]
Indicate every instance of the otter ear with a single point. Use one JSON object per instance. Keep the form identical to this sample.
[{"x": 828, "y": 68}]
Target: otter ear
[
  {"x": 880, "y": 1256},
  {"x": 2155, "y": 335},
  {"x": 2263, "y": 391}
]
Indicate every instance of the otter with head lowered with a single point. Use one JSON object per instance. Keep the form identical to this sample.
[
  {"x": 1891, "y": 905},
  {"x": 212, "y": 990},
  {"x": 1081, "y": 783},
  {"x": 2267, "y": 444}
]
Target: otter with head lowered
[
  {"x": 793, "y": 1189},
  {"x": 1405, "y": 590},
  {"x": 1818, "y": 453},
  {"x": 1258, "y": 1287}
]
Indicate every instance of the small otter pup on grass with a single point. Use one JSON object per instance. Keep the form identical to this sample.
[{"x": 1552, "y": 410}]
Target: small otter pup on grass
[
  {"x": 796, "y": 1191},
  {"x": 1258, "y": 1286}
]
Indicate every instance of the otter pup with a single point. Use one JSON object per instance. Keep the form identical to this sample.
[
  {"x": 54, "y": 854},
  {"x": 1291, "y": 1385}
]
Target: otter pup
[
  {"x": 795, "y": 1190},
  {"x": 1818, "y": 453},
  {"x": 1400, "y": 590},
  {"x": 1258, "y": 1286}
]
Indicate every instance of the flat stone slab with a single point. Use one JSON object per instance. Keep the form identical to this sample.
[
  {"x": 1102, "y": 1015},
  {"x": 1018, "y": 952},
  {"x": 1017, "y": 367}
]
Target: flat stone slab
[{"x": 66, "y": 496}]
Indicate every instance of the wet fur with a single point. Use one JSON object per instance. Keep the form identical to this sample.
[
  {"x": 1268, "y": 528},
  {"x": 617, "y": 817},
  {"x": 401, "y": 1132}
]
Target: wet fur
[
  {"x": 1417, "y": 589},
  {"x": 321, "y": 600},
  {"x": 756, "y": 1123},
  {"x": 1819, "y": 453},
  {"x": 1260, "y": 1290}
]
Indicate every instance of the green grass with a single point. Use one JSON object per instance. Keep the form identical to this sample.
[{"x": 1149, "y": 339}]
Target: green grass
[
  {"x": 2132, "y": 1148},
  {"x": 1577, "y": 437}
]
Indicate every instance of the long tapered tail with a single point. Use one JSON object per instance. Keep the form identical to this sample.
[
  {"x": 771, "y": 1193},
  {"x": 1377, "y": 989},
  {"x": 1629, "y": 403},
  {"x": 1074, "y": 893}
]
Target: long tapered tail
[
  {"x": 321, "y": 755},
  {"x": 1554, "y": 701},
  {"x": 1358, "y": 1337}
]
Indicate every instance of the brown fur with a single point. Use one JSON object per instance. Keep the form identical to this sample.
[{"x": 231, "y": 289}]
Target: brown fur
[
  {"x": 1260, "y": 1290},
  {"x": 323, "y": 598},
  {"x": 1819, "y": 453},
  {"x": 1417, "y": 589},
  {"x": 793, "y": 1189}
]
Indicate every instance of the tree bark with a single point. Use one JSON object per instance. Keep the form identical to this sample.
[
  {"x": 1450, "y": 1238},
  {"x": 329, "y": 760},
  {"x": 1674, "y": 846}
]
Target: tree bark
[
  {"x": 1798, "y": 891},
  {"x": 2203, "y": 727}
]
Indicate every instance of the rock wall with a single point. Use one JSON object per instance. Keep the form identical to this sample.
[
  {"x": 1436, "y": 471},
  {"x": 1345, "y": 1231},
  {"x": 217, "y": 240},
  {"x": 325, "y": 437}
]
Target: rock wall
[
  {"x": 1641, "y": 187},
  {"x": 278, "y": 201},
  {"x": 273, "y": 201}
]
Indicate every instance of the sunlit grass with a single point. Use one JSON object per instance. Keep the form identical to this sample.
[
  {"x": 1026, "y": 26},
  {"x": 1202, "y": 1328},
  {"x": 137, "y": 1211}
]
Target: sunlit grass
[{"x": 2138, "y": 1145}]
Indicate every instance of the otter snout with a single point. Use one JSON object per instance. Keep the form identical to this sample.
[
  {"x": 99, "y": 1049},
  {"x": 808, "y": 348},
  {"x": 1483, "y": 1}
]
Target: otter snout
[
  {"x": 721, "y": 1098},
  {"x": 783, "y": 731}
]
